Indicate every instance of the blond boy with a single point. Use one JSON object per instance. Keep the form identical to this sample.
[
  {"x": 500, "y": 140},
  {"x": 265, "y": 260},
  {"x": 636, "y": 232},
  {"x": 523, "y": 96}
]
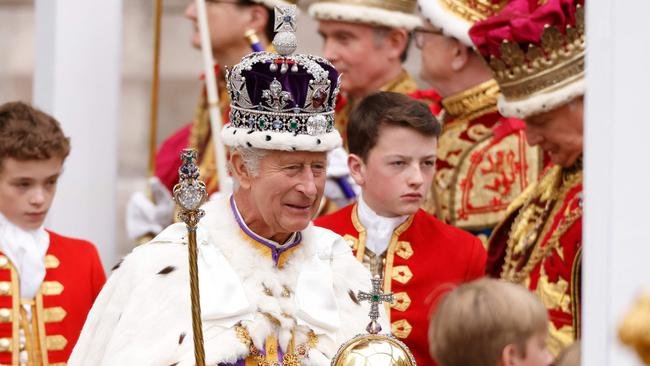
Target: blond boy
[{"x": 490, "y": 323}]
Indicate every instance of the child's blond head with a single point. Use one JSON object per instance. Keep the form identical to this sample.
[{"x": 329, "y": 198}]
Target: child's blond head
[{"x": 476, "y": 321}]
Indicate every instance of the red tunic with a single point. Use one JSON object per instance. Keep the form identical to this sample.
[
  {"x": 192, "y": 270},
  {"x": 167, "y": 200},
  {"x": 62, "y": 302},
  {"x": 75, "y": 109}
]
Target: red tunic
[
  {"x": 74, "y": 276},
  {"x": 539, "y": 245},
  {"x": 425, "y": 258}
]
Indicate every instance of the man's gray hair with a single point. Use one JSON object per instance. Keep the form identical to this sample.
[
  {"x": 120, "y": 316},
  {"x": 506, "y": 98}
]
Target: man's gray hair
[{"x": 252, "y": 158}]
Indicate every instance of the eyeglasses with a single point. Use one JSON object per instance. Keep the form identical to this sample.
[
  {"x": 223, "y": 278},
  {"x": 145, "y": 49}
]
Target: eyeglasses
[{"x": 420, "y": 33}]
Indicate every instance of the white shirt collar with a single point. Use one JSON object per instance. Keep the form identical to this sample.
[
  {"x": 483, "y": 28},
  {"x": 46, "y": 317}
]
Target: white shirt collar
[
  {"x": 26, "y": 250},
  {"x": 379, "y": 229}
]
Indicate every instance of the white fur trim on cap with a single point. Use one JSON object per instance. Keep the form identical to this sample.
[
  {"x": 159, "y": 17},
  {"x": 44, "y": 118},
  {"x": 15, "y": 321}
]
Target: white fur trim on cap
[
  {"x": 269, "y": 140},
  {"x": 364, "y": 14},
  {"x": 451, "y": 24},
  {"x": 541, "y": 102}
]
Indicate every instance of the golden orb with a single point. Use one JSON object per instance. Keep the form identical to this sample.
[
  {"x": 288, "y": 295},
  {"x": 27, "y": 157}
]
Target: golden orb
[{"x": 373, "y": 350}]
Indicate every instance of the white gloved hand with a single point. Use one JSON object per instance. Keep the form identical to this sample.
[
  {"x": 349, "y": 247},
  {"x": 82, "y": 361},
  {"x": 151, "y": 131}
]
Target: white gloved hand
[
  {"x": 337, "y": 168},
  {"x": 337, "y": 163},
  {"x": 146, "y": 217}
]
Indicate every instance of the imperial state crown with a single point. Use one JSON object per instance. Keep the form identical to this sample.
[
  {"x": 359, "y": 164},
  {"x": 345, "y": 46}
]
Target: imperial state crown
[{"x": 282, "y": 101}]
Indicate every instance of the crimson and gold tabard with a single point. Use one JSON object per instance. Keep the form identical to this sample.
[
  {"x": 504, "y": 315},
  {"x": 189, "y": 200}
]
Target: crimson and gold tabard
[
  {"x": 539, "y": 245},
  {"x": 424, "y": 259},
  {"x": 483, "y": 161},
  {"x": 43, "y": 330}
]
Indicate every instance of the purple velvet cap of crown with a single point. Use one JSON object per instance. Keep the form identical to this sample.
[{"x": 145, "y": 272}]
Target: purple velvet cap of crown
[
  {"x": 296, "y": 83},
  {"x": 282, "y": 103}
]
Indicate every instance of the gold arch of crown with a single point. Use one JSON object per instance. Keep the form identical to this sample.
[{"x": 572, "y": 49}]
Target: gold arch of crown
[
  {"x": 404, "y": 6},
  {"x": 559, "y": 61},
  {"x": 473, "y": 10}
]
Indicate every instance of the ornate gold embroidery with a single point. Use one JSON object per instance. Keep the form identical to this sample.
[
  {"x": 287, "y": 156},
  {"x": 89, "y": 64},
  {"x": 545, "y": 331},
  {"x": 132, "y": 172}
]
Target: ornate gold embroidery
[
  {"x": 361, "y": 242},
  {"x": 403, "y": 6},
  {"x": 473, "y": 102},
  {"x": 50, "y": 288},
  {"x": 401, "y": 328},
  {"x": 480, "y": 176},
  {"x": 271, "y": 347},
  {"x": 291, "y": 358},
  {"x": 554, "y": 295},
  {"x": 523, "y": 234},
  {"x": 402, "y": 274},
  {"x": 473, "y": 11},
  {"x": 56, "y": 342},
  {"x": 404, "y": 249},
  {"x": 558, "y": 339},
  {"x": 53, "y": 315},
  {"x": 402, "y": 301},
  {"x": 51, "y": 261}
]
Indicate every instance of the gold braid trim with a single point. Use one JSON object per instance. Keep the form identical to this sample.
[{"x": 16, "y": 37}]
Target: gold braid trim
[
  {"x": 576, "y": 274},
  {"x": 292, "y": 358},
  {"x": 547, "y": 191},
  {"x": 472, "y": 103},
  {"x": 403, "y": 84}
]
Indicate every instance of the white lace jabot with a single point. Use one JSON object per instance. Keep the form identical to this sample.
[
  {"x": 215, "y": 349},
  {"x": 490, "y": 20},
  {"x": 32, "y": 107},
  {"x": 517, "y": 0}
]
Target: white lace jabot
[
  {"x": 379, "y": 229},
  {"x": 26, "y": 250}
]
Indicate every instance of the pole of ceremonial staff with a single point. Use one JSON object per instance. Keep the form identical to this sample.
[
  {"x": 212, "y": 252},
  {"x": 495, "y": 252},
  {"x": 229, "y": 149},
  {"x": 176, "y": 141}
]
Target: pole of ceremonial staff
[
  {"x": 155, "y": 81},
  {"x": 213, "y": 96},
  {"x": 190, "y": 193}
]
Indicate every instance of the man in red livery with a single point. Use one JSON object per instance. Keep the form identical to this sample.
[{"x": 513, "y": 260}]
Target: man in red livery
[
  {"x": 536, "y": 52},
  {"x": 483, "y": 161},
  {"x": 392, "y": 141},
  {"x": 48, "y": 282},
  {"x": 368, "y": 42}
]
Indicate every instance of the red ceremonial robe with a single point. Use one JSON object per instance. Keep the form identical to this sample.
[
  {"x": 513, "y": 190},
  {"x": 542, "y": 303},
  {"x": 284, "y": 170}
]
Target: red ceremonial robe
[
  {"x": 539, "y": 245},
  {"x": 425, "y": 258}
]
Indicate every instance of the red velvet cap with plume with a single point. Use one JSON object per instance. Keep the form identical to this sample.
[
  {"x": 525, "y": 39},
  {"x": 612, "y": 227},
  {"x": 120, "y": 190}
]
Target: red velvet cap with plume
[{"x": 536, "y": 52}]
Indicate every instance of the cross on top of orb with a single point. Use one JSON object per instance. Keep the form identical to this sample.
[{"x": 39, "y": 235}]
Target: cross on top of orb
[{"x": 375, "y": 298}]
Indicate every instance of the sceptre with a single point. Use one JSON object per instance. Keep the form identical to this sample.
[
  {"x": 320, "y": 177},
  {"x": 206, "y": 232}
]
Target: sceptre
[{"x": 190, "y": 193}]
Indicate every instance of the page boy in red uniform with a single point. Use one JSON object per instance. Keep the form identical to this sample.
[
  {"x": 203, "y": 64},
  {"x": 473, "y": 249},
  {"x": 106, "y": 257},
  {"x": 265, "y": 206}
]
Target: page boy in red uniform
[
  {"x": 392, "y": 141},
  {"x": 47, "y": 282}
]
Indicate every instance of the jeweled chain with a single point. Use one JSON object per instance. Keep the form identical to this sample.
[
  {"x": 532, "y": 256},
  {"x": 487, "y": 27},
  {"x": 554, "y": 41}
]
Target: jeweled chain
[{"x": 288, "y": 359}]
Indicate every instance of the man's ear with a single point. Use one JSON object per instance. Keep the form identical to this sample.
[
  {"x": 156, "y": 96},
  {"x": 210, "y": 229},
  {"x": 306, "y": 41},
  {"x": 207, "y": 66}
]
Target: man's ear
[
  {"x": 259, "y": 16},
  {"x": 510, "y": 356},
  {"x": 397, "y": 39},
  {"x": 357, "y": 169},
  {"x": 460, "y": 56},
  {"x": 240, "y": 170}
]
